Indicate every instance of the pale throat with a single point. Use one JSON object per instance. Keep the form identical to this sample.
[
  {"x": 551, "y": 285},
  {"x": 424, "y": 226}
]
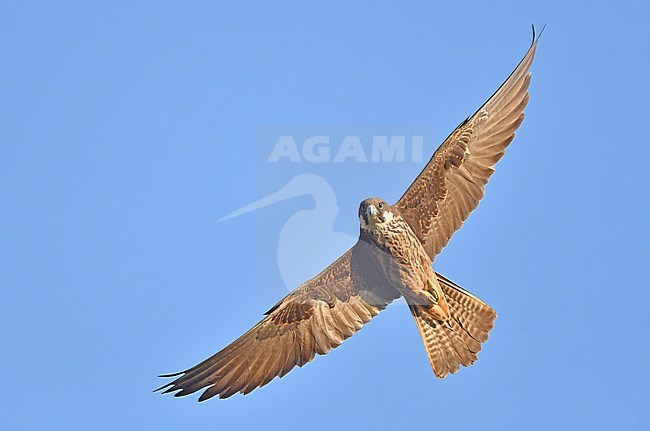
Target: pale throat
[{"x": 375, "y": 226}]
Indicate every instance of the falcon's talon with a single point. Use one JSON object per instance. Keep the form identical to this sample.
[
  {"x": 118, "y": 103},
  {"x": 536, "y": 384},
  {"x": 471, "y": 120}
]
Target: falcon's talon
[
  {"x": 431, "y": 296},
  {"x": 433, "y": 291}
]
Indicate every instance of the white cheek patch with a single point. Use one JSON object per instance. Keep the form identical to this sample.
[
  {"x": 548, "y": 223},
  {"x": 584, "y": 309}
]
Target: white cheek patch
[
  {"x": 363, "y": 223},
  {"x": 388, "y": 216}
]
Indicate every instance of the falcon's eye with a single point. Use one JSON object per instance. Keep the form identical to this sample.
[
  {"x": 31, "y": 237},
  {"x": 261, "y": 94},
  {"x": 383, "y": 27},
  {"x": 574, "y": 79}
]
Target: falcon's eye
[{"x": 380, "y": 205}]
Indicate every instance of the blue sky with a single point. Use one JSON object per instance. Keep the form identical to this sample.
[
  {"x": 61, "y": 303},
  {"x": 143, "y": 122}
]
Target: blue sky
[{"x": 128, "y": 129}]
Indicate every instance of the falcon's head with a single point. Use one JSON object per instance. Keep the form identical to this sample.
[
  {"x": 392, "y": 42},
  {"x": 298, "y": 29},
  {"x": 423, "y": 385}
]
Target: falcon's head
[{"x": 375, "y": 214}]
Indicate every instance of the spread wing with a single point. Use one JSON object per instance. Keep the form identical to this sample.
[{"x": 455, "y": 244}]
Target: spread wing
[
  {"x": 313, "y": 319},
  {"x": 453, "y": 182}
]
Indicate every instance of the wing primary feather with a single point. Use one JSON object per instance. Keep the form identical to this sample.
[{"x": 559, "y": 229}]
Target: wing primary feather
[{"x": 452, "y": 183}]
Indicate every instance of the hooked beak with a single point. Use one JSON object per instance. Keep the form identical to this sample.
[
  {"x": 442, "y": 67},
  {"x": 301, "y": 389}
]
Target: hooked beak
[
  {"x": 371, "y": 210},
  {"x": 370, "y": 213}
]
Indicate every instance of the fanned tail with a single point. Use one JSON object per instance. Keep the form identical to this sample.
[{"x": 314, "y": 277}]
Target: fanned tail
[{"x": 456, "y": 341}]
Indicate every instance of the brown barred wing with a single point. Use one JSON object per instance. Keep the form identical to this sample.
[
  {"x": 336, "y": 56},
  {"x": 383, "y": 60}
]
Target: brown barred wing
[
  {"x": 453, "y": 181},
  {"x": 313, "y": 319}
]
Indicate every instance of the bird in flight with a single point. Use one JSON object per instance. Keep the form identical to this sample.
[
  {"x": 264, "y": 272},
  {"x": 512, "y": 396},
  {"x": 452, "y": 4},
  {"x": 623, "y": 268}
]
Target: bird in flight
[{"x": 392, "y": 258}]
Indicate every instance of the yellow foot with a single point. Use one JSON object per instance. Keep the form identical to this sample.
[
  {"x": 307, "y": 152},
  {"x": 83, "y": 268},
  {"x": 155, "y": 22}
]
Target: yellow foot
[{"x": 431, "y": 293}]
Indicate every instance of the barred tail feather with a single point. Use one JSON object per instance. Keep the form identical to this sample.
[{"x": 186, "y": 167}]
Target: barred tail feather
[{"x": 457, "y": 341}]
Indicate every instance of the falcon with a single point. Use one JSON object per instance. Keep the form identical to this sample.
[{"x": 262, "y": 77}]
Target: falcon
[{"x": 392, "y": 258}]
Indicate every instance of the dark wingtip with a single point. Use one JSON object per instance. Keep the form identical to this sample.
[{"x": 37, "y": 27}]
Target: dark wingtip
[
  {"x": 168, "y": 387},
  {"x": 542, "y": 30},
  {"x": 171, "y": 389},
  {"x": 534, "y": 36},
  {"x": 165, "y": 376},
  {"x": 203, "y": 397},
  {"x": 163, "y": 387},
  {"x": 537, "y": 36}
]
